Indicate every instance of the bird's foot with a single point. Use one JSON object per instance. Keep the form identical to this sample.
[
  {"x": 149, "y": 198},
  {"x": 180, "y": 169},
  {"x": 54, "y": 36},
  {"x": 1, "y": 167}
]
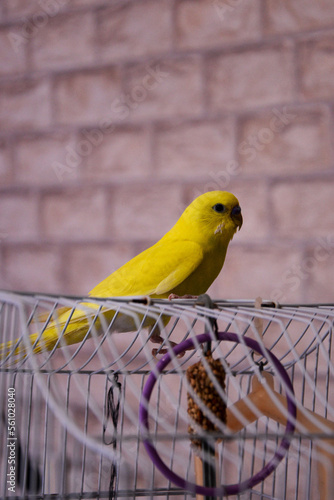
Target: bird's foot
[
  {"x": 187, "y": 296},
  {"x": 162, "y": 350}
]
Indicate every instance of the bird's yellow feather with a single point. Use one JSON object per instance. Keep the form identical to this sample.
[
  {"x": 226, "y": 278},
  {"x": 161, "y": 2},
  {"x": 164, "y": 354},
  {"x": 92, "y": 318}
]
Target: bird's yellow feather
[{"x": 184, "y": 261}]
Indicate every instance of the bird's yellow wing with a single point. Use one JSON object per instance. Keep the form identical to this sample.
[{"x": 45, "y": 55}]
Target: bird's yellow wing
[
  {"x": 156, "y": 271},
  {"x": 185, "y": 261}
]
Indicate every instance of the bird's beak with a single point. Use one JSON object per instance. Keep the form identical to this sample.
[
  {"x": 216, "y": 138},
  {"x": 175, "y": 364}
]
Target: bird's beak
[{"x": 236, "y": 216}]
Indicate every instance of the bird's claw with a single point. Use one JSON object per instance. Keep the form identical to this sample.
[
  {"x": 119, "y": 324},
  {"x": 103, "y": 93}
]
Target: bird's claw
[
  {"x": 165, "y": 350},
  {"x": 173, "y": 296}
]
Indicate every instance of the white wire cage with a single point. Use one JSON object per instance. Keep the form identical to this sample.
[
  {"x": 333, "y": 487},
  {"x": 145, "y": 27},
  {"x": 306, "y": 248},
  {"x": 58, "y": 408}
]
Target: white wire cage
[{"x": 77, "y": 427}]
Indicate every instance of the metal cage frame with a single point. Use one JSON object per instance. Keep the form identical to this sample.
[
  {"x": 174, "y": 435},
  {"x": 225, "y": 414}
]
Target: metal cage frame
[{"x": 76, "y": 426}]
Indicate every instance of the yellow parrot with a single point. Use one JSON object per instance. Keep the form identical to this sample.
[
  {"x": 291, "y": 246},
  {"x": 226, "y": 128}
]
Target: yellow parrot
[{"x": 185, "y": 261}]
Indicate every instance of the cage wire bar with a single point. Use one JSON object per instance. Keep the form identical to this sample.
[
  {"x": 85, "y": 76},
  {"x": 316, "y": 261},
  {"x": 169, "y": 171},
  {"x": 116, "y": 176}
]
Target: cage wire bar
[{"x": 75, "y": 424}]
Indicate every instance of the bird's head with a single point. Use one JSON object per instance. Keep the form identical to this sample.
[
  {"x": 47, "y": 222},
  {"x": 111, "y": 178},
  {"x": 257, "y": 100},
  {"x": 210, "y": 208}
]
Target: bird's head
[{"x": 216, "y": 213}]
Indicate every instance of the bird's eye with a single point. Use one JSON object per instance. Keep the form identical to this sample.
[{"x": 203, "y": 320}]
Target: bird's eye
[{"x": 219, "y": 207}]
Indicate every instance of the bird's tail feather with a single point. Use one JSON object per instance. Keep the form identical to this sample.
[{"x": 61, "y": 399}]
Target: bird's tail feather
[{"x": 66, "y": 328}]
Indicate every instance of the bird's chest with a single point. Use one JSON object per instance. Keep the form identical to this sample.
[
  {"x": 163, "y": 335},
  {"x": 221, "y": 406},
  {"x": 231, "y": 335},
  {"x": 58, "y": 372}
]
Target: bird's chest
[{"x": 203, "y": 276}]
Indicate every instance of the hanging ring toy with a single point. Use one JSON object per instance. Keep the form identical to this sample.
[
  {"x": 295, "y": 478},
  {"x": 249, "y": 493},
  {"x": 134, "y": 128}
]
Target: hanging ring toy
[{"x": 231, "y": 489}]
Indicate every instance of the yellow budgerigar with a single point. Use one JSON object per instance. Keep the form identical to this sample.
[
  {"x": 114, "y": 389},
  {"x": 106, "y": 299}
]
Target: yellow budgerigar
[{"x": 186, "y": 260}]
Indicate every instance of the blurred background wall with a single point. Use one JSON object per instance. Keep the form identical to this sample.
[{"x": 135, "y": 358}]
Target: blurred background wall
[{"x": 114, "y": 115}]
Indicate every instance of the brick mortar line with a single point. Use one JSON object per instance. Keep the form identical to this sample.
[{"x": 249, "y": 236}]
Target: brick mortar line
[
  {"x": 159, "y": 125},
  {"x": 8, "y": 22},
  {"x": 271, "y": 181},
  {"x": 270, "y": 42},
  {"x": 13, "y": 20},
  {"x": 263, "y": 244}
]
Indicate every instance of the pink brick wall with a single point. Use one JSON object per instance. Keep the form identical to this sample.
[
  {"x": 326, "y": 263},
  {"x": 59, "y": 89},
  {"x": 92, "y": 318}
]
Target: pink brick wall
[{"x": 115, "y": 115}]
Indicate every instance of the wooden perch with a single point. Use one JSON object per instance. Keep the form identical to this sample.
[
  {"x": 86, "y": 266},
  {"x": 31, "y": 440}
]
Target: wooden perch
[
  {"x": 273, "y": 405},
  {"x": 265, "y": 401}
]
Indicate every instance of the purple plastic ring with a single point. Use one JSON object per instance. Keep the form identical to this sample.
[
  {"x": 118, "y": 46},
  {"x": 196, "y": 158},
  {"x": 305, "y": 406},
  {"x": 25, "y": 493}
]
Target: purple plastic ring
[{"x": 230, "y": 489}]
